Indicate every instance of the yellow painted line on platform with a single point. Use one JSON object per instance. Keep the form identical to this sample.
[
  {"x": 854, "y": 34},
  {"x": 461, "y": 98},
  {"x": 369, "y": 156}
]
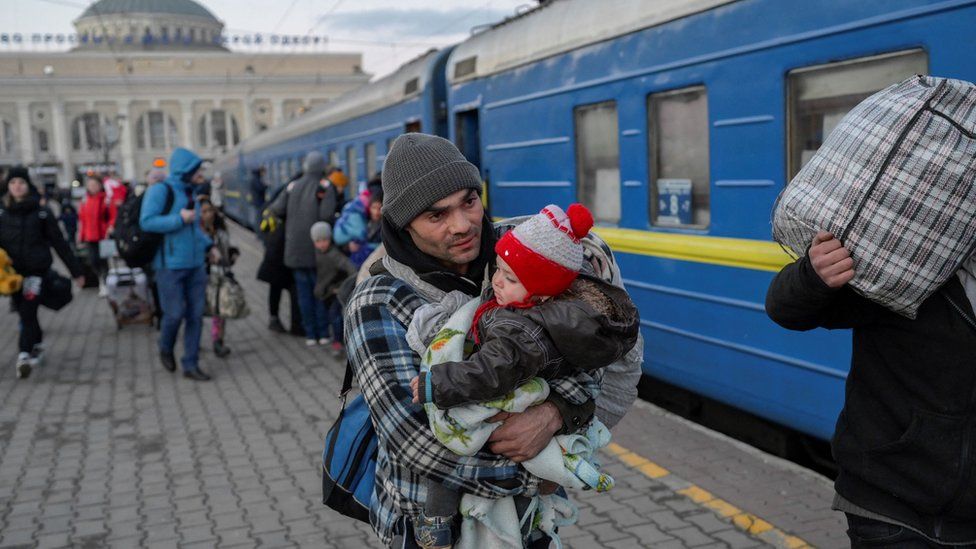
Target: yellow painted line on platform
[{"x": 747, "y": 522}]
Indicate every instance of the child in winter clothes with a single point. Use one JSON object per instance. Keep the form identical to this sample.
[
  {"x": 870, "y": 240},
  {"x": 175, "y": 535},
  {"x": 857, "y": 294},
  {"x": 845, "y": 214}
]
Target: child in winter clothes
[
  {"x": 358, "y": 228},
  {"x": 222, "y": 255},
  {"x": 331, "y": 269},
  {"x": 540, "y": 319}
]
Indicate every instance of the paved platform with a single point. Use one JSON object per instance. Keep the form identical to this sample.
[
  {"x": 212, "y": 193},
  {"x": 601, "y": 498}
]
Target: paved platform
[{"x": 101, "y": 447}]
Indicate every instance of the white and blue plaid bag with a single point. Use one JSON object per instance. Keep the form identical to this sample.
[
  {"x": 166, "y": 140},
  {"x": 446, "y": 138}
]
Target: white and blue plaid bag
[{"x": 896, "y": 183}]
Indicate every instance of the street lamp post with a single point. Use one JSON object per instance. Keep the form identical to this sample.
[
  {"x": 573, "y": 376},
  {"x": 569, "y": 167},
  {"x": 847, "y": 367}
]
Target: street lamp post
[{"x": 111, "y": 136}]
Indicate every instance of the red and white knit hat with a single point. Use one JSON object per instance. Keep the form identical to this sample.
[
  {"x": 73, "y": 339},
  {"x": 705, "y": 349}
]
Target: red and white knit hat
[{"x": 545, "y": 252}]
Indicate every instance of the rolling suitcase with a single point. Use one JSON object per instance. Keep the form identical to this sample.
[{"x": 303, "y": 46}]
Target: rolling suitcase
[{"x": 128, "y": 295}]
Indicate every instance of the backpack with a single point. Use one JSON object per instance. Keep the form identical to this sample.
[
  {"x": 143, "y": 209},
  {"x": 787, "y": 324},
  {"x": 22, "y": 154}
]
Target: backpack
[
  {"x": 135, "y": 246},
  {"x": 349, "y": 458}
]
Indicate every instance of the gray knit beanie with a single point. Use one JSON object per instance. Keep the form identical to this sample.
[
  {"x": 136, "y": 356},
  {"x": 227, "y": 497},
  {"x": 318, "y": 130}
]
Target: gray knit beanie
[
  {"x": 321, "y": 231},
  {"x": 419, "y": 170}
]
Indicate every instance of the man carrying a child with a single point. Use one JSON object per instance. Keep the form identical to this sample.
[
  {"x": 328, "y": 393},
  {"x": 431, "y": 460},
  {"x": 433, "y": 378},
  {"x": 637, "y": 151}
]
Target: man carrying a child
[{"x": 438, "y": 240}]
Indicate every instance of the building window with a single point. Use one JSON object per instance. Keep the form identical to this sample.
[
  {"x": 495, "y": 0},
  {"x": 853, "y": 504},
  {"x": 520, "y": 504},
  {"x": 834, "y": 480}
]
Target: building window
[
  {"x": 157, "y": 130},
  {"x": 680, "y": 186},
  {"x": 820, "y": 96},
  {"x": 598, "y": 160},
  {"x": 6, "y": 137},
  {"x": 42, "y": 141},
  {"x": 218, "y": 128},
  {"x": 86, "y": 132}
]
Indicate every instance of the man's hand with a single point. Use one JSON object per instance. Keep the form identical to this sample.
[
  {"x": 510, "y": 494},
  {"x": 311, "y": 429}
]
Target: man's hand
[
  {"x": 80, "y": 281},
  {"x": 523, "y": 436},
  {"x": 831, "y": 260},
  {"x": 187, "y": 215},
  {"x": 415, "y": 387},
  {"x": 353, "y": 246}
]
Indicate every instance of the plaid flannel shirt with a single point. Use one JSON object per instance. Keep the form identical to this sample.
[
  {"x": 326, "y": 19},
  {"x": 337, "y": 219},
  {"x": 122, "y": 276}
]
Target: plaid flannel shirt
[{"x": 376, "y": 325}]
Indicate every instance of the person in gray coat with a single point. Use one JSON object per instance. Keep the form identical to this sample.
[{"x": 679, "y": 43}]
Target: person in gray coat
[{"x": 306, "y": 200}]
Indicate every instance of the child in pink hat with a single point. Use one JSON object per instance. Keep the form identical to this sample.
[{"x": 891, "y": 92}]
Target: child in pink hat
[{"x": 541, "y": 318}]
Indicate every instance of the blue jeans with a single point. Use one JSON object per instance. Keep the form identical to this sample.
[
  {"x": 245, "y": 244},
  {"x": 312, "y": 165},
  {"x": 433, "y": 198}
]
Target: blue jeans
[
  {"x": 182, "y": 293},
  {"x": 315, "y": 315}
]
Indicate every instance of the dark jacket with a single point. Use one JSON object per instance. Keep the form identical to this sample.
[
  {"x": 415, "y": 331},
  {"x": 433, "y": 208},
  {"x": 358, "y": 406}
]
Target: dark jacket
[
  {"x": 332, "y": 267},
  {"x": 301, "y": 206},
  {"x": 905, "y": 441},
  {"x": 28, "y": 232},
  {"x": 585, "y": 328},
  {"x": 272, "y": 269}
]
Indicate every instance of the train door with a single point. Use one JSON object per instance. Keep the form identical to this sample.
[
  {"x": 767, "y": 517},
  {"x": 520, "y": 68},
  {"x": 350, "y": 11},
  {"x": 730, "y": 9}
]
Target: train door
[
  {"x": 352, "y": 173},
  {"x": 467, "y": 132},
  {"x": 468, "y": 135}
]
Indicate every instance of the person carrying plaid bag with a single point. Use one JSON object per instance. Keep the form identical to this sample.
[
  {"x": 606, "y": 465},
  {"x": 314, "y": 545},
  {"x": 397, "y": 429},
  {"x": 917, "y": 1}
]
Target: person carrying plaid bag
[{"x": 887, "y": 253}]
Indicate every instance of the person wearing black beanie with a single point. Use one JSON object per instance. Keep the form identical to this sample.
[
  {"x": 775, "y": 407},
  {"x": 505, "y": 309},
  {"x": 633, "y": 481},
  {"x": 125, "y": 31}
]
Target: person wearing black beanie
[{"x": 28, "y": 231}]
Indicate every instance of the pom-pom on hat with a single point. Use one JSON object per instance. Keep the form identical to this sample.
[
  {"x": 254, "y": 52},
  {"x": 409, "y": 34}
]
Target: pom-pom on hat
[{"x": 545, "y": 252}]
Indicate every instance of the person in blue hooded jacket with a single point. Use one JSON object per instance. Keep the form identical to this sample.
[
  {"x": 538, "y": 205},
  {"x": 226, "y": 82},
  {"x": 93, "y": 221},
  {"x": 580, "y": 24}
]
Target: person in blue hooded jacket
[{"x": 179, "y": 262}]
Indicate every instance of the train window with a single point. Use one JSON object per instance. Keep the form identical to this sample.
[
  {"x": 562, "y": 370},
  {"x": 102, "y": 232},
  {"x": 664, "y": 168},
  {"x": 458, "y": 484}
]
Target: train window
[
  {"x": 351, "y": 171},
  {"x": 333, "y": 158},
  {"x": 678, "y": 157},
  {"x": 465, "y": 66},
  {"x": 820, "y": 96},
  {"x": 412, "y": 127},
  {"x": 598, "y": 160},
  {"x": 370, "y": 155},
  {"x": 411, "y": 86}
]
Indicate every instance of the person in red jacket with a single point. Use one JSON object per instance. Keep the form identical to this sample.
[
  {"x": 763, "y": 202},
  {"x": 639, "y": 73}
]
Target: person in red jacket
[{"x": 93, "y": 224}]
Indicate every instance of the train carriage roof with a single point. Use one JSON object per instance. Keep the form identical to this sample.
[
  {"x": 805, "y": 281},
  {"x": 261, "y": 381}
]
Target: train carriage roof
[
  {"x": 555, "y": 27},
  {"x": 408, "y": 81}
]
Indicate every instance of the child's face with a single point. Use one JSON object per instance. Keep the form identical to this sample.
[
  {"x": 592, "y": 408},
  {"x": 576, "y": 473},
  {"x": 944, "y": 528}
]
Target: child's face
[
  {"x": 507, "y": 287},
  {"x": 207, "y": 214},
  {"x": 323, "y": 245}
]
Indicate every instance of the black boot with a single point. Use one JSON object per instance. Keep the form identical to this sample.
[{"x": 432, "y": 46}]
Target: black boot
[
  {"x": 275, "y": 325},
  {"x": 168, "y": 360},
  {"x": 196, "y": 375},
  {"x": 220, "y": 349}
]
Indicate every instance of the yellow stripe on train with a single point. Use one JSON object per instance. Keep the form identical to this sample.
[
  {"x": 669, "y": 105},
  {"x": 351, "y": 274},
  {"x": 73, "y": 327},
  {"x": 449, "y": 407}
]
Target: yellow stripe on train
[{"x": 760, "y": 255}]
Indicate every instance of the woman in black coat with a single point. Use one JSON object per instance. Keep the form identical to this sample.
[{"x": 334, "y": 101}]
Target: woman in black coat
[
  {"x": 273, "y": 270},
  {"x": 28, "y": 231}
]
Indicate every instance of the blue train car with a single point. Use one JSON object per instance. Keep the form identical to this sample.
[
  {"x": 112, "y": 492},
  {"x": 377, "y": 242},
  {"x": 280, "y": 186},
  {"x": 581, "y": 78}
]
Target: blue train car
[
  {"x": 678, "y": 122},
  {"x": 353, "y": 132}
]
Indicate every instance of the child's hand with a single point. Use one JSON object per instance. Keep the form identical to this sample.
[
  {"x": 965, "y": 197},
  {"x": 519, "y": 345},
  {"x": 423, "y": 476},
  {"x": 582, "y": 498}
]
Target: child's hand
[{"x": 415, "y": 387}]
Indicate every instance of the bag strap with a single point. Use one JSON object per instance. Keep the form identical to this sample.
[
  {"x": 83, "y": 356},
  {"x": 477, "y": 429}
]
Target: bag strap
[{"x": 346, "y": 384}]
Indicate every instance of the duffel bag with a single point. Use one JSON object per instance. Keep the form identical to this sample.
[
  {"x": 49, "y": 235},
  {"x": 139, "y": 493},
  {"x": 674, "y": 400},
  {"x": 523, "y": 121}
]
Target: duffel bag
[
  {"x": 225, "y": 296},
  {"x": 895, "y": 182},
  {"x": 55, "y": 291}
]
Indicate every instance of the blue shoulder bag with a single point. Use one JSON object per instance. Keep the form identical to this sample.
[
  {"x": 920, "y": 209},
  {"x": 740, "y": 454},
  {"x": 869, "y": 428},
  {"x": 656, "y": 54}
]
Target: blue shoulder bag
[{"x": 349, "y": 458}]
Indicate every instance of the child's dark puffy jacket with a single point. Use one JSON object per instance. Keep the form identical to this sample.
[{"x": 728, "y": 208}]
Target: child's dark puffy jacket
[{"x": 588, "y": 327}]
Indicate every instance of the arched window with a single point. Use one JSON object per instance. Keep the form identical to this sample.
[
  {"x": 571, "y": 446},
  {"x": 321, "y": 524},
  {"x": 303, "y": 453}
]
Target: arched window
[
  {"x": 156, "y": 130},
  {"x": 6, "y": 137},
  {"x": 218, "y": 128},
  {"x": 86, "y": 132}
]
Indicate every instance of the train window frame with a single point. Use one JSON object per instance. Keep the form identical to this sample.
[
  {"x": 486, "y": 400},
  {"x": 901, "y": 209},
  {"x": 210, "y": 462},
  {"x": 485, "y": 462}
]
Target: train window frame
[
  {"x": 369, "y": 156},
  {"x": 352, "y": 169},
  {"x": 823, "y": 71},
  {"x": 702, "y": 214},
  {"x": 602, "y": 215}
]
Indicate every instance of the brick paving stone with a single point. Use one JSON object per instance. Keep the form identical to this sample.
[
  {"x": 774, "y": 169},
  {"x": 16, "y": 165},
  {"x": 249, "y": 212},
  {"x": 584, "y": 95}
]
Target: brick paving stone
[{"x": 53, "y": 541}]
